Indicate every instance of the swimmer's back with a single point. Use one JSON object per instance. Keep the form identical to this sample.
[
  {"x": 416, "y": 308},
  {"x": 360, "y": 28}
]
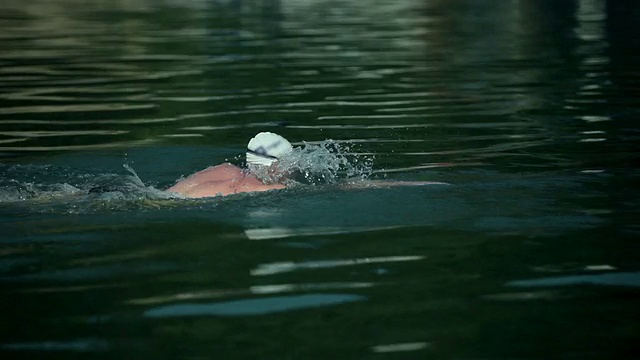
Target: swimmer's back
[
  {"x": 245, "y": 184},
  {"x": 221, "y": 180},
  {"x": 222, "y": 172}
]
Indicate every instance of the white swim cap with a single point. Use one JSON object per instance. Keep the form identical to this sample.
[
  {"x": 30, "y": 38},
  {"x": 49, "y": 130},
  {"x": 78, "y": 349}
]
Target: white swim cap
[{"x": 266, "y": 147}]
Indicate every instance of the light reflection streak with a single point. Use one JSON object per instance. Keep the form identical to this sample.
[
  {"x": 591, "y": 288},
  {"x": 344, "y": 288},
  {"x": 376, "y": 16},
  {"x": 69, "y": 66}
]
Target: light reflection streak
[
  {"x": 479, "y": 112},
  {"x": 631, "y": 279},
  {"x": 523, "y": 296},
  {"x": 182, "y": 135},
  {"x": 80, "y": 147},
  {"x": 400, "y": 347},
  {"x": 283, "y": 92},
  {"x": 592, "y": 171},
  {"x": 382, "y": 96},
  {"x": 63, "y": 289},
  {"x": 360, "y": 126},
  {"x": 8, "y": 141},
  {"x": 74, "y": 108},
  {"x": 163, "y": 120},
  {"x": 249, "y": 307},
  {"x": 226, "y": 127},
  {"x": 80, "y": 345},
  {"x": 367, "y": 117},
  {"x": 200, "y": 98},
  {"x": 253, "y": 290},
  {"x": 282, "y": 232},
  {"x": 426, "y": 166},
  {"x": 140, "y": 97},
  {"x": 283, "y": 267},
  {"x": 414, "y": 108},
  {"x": 62, "y": 133}
]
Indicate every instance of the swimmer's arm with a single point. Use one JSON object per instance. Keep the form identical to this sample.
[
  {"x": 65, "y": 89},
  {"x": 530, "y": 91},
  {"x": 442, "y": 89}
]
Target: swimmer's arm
[{"x": 366, "y": 184}]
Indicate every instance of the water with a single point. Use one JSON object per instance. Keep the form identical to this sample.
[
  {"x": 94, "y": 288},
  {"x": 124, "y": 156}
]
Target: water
[{"x": 526, "y": 108}]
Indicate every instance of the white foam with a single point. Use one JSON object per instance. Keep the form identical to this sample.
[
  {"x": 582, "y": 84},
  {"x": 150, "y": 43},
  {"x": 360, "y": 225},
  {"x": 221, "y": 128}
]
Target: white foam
[{"x": 319, "y": 163}]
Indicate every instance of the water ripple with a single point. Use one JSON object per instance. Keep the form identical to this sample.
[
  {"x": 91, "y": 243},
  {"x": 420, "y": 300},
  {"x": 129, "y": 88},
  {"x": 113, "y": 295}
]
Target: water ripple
[
  {"x": 74, "y": 108},
  {"x": 527, "y": 108},
  {"x": 251, "y": 307},
  {"x": 283, "y": 267}
]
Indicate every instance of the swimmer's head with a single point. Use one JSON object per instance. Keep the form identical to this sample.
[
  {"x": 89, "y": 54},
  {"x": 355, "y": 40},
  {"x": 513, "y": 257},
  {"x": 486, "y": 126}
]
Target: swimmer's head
[{"x": 266, "y": 148}]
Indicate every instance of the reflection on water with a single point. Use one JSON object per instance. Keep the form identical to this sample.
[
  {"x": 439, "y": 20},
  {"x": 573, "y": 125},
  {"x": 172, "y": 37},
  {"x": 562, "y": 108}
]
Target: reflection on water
[
  {"x": 526, "y": 108},
  {"x": 277, "y": 268},
  {"x": 400, "y": 347},
  {"x": 253, "y": 290},
  {"x": 615, "y": 279},
  {"x": 79, "y": 345},
  {"x": 279, "y": 233},
  {"x": 252, "y": 307}
]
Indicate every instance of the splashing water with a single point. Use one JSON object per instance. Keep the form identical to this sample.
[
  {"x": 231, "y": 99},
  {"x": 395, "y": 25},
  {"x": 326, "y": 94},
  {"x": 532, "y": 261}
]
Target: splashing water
[
  {"x": 46, "y": 182},
  {"x": 321, "y": 163},
  {"x": 326, "y": 162}
]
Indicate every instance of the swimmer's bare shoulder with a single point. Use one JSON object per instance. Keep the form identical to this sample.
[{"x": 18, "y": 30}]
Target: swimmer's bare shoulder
[{"x": 224, "y": 171}]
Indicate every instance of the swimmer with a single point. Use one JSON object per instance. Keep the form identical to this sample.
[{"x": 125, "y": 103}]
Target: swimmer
[{"x": 263, "y": 152}]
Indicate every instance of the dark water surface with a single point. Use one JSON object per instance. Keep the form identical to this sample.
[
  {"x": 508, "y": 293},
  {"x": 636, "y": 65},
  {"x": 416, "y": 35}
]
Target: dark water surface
[{"x": 528, "y": 108}]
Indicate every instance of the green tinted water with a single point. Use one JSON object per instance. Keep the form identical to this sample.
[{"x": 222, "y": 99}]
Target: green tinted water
[{"x": 526, "y": 108}]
